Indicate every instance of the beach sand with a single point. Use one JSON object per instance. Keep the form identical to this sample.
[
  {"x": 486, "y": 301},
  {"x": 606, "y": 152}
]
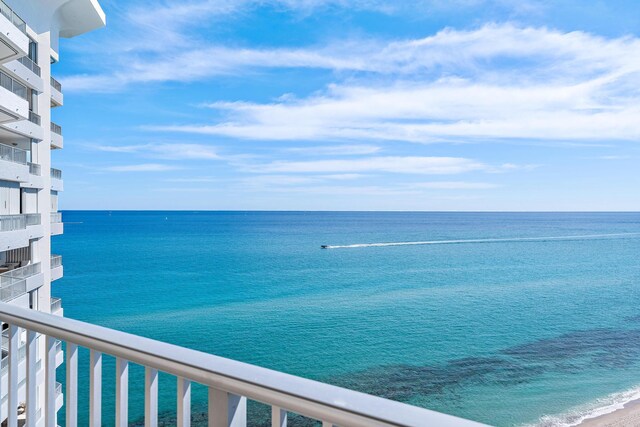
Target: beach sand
[{"x": 629, "y": 416}]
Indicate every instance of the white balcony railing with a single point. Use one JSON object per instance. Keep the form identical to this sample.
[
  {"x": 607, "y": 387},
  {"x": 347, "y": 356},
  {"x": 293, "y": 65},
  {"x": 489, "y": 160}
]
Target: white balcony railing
[
  {"x": 22, "y": 272},
  {"x": 56, "y": 84},
  {"x": 15, "y": 289},
  {"x": 56, "y": 217},
  {"x": 18, "y": 222},
  {"x": 11, "y": 16},
  {"x": 13, "y": 283},
  {"x": 56, "y": 304},
  {"x": 55, "y": 128},
  {"x": 35, "y": 169},
  {"x": 56, "y": 173},
  {"x": 28, "y": 62},
  {"x": 230, "y": 383},
  {"x": 35, "y": 118},
  {"x": 13, "y": 154},
  {"x": 56, "y": 261},
  {"x": 13, "y": 85}
]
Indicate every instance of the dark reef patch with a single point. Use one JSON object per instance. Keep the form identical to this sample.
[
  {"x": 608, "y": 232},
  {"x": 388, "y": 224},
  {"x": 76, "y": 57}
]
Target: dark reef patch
[{"x": 566, "y": 354}]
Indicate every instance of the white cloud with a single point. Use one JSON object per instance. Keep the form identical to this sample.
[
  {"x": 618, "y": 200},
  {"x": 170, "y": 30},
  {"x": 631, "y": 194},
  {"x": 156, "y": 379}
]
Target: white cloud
[
  {"x": 176, "y": 151},
  {"x": 401, "y": 165},
  {"x": 454, "y": 185},
  {"x": 336, "y": 150},
  {"x": 144, "y": 167},
  {"x": 453, "y": 86}
]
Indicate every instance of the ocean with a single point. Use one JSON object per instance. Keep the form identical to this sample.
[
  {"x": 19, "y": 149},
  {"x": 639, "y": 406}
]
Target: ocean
[{"x": 505, "y": 318}]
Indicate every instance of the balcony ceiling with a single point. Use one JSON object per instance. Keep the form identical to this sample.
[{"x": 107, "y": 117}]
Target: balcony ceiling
[
  {"x": 9, "y": 138},
  {"x": 7, "y": 53}
]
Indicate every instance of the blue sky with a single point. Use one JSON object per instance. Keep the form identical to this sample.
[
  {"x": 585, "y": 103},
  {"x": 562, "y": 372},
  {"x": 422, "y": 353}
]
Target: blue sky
[{"x": 354, "y": 105}]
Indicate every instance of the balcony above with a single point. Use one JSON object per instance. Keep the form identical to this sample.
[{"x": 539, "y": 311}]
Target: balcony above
[
  {"x": 57, "y": 98},
  {"x": 56, "y": 180},
  {"x": 14, "y": 104},
  {"x": 56, "y": 306},
  {"x": 17, "y": 230},
  {"x": 27, "y": 72},
  {"x": 30, "y": 128},
  {"x": 57, "y": 141},
  {"x": 36, "y": 180},
  {"x": 15, "y": 42},
  {"x": 56, "y": 267},
  {"x": 13, "y": 164},
  {"x": 19, "y": 279},
  {"x": 57, "y": 227}
]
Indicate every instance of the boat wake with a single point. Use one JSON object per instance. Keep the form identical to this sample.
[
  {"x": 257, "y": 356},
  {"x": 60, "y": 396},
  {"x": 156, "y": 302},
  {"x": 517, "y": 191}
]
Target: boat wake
[{"x": 501, "y": 240}]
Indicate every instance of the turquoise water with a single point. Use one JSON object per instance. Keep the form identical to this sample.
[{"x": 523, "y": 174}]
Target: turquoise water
[{"x": 505, "y": 333}]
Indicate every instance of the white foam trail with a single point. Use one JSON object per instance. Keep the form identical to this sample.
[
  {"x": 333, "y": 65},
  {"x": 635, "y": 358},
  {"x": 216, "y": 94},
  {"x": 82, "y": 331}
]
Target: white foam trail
[
  {"x": 597, "y": 408},
  {"x": 504, "y": 240}
]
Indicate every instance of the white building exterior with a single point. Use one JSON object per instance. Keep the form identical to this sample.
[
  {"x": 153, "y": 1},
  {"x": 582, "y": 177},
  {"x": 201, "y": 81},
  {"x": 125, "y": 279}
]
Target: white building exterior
[{"x": 29, "y": 185}]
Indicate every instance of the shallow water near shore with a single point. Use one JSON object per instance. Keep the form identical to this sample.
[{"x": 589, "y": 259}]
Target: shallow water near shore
[{"x": 528, "y": 329}]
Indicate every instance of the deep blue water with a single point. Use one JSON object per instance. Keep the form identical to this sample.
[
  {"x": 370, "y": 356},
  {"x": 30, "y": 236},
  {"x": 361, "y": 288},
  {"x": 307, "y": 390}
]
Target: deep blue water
[{"x": 504, "y": 332}]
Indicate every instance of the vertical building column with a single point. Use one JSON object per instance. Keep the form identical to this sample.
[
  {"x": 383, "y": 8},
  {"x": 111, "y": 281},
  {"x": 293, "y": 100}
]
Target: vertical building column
[{"x": 44, "y": 158}]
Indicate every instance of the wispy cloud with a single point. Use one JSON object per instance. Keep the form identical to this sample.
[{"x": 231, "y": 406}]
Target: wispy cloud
[
  {"x": 336, "y": 150},
  {"x": 401, "y": 165},
  {"x": 165, "y": 151},
  {"x": 455, "y": 185},
  {"x": 144, "y": 167},
  {"x": 453, "y": 86}
]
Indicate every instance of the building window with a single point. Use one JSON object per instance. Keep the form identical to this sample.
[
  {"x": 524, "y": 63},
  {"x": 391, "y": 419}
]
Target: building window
[{"x": 33, "y": 51}]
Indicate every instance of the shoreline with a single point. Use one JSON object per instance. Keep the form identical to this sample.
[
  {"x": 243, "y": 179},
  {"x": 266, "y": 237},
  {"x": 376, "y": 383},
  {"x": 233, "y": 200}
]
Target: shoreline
[{"x": 627, "y": 416}]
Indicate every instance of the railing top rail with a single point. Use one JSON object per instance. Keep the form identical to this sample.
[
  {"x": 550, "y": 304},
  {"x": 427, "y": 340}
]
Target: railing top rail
[{"x": 311, "y": 398}]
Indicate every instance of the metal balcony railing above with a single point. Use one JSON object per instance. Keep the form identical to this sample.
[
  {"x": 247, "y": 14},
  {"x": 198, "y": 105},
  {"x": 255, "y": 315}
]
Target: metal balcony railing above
[
  {"x": 56, "y": 217},
  {"x": 35, "y": 169},
  {"x": 18, "y": 222},
  {"x": 56, "y": 261},
  {"x": 13, "y": 154},
  {"x": 229, "y": 383},
  {"x": 56, "y": 173},
  {"x": 56, "y": 84},
  {"x": 12, "y": 85},
  {"x": 28, "y": 62},
  {"x": 21, "y": 273},
  {"x": 33, "y": 219},
  {"x": 13, "y": 290},
  {"x": 35, "y": 118},
  {"x": 11, "y": 16},
  {"x": 55, "y": 128}
]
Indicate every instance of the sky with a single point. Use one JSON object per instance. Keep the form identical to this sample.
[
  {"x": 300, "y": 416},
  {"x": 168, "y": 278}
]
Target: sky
[{"x": 472, "y": 105}]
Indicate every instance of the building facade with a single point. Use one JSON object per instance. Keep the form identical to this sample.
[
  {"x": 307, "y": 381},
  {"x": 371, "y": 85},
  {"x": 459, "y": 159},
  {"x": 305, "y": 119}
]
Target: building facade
[{"x": 29, "y": 184}]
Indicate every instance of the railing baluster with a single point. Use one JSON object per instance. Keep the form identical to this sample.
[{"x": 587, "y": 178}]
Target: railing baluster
[
  {"x": 72, "y": 385},
  {"x": 50, "y": 384},
  {"x": 32, "y": 379},
  {"x": 122, "y": 392},
  {"x": 278, "y": 417},
  {"x": 95, "y": 394},
  {"x": 226, "y": 409},
  {"x": 184, "y": 402},
  {"x": 12, "y": 389},
  {"x": 150, "y": 397}
]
